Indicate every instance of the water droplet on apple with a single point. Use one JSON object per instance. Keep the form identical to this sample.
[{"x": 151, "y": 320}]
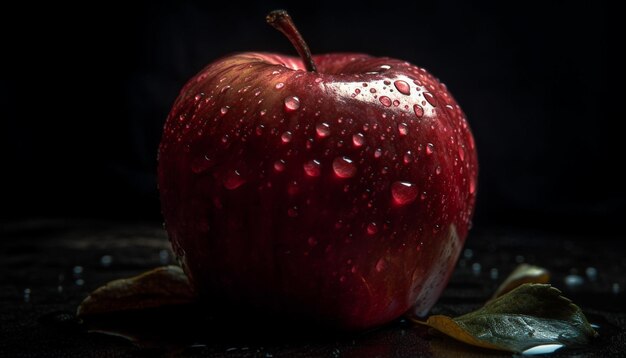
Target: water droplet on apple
[
  {"x": 407, "y": 158},
  {"x": 419, "y": 111},
  {"x": 385, "y": 67},
  {"x": 461, "y": 153},
  {"x": 372, "y": 90},
  {"x": 312, "y": 168},
  {"x": 279, "y": 85},
  {"x": 438, "y": 170},
  {"x": 259, "y": 129},
  {"x": 292, "y": 103},
  {"x": 233, "y": 180},
  {"x": 343, "y": 167},
  {"x": 396, "y": 103},
  {"x": 380, "y": 265},
  {"x": 358, "y": 140},
  {"x": 430, "y": 148},
  {"x": 430, "y": 98},
  {"x": 202, "y": 164},
  {"x": 224, "y": 110},
  {"x": 292, "y": 188},
  {"x": 322, "y": 130},
  {"x": 403, "y": 129},
  {"x": 386, "y": 101},
  {"x": 198, "y": 97},
  {"x": 357, "y": 91},
  {"x": 472, "y": 184},
  {"x": 292, "y": 212},
  {"x": 279, "y": 165},
  {"x": 318, "y": 80},
  {"x": 402, "y": 87},
  {"x": 372, "y": 228},
  {"x": 286, "y": 137},
  {"x": 378, "y": 153},
  {"x": 403, "y": 192}
]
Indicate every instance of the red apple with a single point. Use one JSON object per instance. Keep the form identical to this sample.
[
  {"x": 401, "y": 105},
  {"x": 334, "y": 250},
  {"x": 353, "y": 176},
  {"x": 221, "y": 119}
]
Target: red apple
[{"x": 338, "y": 188}]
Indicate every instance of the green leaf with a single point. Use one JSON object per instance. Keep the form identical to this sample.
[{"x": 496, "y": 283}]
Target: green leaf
[
  {"x": 528, "y": 316},
  {"x": 161, "y": 286}
]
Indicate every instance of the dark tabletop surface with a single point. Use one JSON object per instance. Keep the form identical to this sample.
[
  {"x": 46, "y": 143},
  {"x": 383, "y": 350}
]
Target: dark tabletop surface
[{"x": 47, "y": 267}]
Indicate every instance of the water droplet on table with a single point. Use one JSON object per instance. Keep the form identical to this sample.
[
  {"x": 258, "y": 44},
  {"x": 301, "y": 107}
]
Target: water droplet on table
[
  {"x": 615, "y": 288},
  {"x": 164, "y": 257},
  {"x": 493, "y": 273},
  {"x": 106, "y": 260},
  {"x": 574, "y": 281},
  {"x": 592, "y": 273},
  {"x": 476, "y": 268},
  {"x": 542, "y": 349}
]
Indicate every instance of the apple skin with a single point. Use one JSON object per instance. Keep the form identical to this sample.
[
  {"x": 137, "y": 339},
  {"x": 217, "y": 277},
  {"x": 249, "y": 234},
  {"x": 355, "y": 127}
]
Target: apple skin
[{"x": 340, "y": 197}]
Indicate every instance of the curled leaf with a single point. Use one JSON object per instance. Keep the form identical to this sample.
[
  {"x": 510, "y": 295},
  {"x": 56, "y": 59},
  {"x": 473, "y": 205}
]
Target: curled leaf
[
  {"x": 522, "y": 274},
  {"x": 530, "y": 315},
  {"x": 162, "y": 286}
]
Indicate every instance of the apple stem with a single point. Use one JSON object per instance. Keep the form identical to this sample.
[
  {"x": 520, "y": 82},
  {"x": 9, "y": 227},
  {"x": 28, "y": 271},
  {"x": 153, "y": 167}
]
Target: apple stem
[{"x": 282, "y": 22}]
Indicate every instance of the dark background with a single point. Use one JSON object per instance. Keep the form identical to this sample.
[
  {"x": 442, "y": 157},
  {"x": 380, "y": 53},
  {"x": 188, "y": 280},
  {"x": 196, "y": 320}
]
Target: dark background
[{"x": 85, "y": 90}]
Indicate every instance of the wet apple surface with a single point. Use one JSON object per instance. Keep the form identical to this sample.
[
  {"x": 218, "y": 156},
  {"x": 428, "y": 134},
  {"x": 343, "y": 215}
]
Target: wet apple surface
[{"x": 342, "y": 195}]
